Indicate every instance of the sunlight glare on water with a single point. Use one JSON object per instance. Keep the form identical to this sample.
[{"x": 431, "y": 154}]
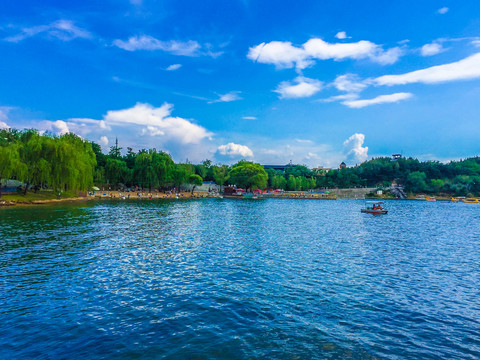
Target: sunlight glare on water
[{"x": 233, "y": 279}]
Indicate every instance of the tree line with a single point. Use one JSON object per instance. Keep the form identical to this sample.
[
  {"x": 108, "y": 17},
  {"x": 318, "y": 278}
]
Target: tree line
[
  {"x": 68, "y": 162},
  {"x": 460, "y": 178},
  {"x": 60, "y": 163}
]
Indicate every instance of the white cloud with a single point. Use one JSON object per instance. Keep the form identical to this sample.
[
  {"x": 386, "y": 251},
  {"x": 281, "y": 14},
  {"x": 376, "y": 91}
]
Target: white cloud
[
  {"x": 158, "y": 122},
  {"x": 4, "y": 125},
  {"x": 349, "y": 83},
  {"x": 249, "y": 117},
  {"x": 62, "y": 29},
  {"x": 3, "y": 113},
  {"x": 431, "y": 49},
  {"x": 349, "y": 96},
  {"x": 382, "y": 99},
  {"x": 342, "y": 35},
  {"x": 304, "y": 141},
  {"x": 465, "y": 69},
  {"x": 304, "y": 87},
  {"x": 174, "y": 67},
  {"x": 235, "y": 150},
  {"x": 475, "y": 43},
  {"x": 319, "y": 49},
  {"x": 353, "y": 149},
  {"x": 145, "y": 42},
  {"x": 443, "y": 10},
  {"x": 229, "y": 97},
  {"x": 388, "y": 57},
  {"x": 103, "y": 140},
  {"x": 283, "y": 54},
  {"x": 60, "y": 127}
]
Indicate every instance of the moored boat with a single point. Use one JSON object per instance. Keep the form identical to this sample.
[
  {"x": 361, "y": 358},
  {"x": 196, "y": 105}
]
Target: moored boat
[
  {"x": 374, "y": 207},
  {"x": 470, "y": 201}
]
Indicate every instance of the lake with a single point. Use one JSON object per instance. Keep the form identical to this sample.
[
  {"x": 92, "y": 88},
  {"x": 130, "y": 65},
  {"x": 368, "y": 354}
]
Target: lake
[{"x": 240, "y": 279}]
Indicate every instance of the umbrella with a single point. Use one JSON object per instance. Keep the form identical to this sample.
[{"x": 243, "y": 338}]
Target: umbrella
[
  {"x": 94, "y": 188},
  {"x": 239, "y": 189},
  {"x": 257, "y": 190}
]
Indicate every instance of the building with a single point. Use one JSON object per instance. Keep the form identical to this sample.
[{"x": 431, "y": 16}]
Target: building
[
  {"x": 395, "y": 157},
  {"x": 342, "y": 165},
  {"x": 281, "y": 168}
]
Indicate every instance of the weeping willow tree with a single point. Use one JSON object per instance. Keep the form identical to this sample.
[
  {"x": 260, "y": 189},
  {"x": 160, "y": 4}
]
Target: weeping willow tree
[
  {"x": 35, "y": 151},
  {"x": 152, "y": 168},
  {"x": 44, "y": 160},
  {"x": 72, "y": 163},
  {"x": 10, "y": 164}
]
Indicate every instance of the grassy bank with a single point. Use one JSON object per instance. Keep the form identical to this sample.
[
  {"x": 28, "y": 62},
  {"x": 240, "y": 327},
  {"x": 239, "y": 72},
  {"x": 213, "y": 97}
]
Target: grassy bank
[{"x": 42, "y": 196}]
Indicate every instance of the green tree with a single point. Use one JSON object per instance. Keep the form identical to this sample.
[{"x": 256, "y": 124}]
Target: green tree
[
  {"x": 248, "y": 175},
  {"x": 116, "y": 171},
  {"x": 416, "y": 181},
  {"x": 437, "y": 184},
  {"x": 180, "y": 174},
  {"x": 195, "y": 180},
  {"x": 220, "y": 174},
  {"x": 34, "y": 152},
  {"x": 10, "y": 164},
  {"x": 291, "y": 183}
]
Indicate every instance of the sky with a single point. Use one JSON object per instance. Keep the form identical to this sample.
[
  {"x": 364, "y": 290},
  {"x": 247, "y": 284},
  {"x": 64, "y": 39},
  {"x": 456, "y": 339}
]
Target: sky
[{"x": 313, "y": 82}]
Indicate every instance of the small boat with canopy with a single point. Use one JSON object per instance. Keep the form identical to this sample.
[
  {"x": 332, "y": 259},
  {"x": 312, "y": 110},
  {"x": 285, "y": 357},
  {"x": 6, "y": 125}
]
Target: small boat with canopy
[{"x": 374, "y": 207}]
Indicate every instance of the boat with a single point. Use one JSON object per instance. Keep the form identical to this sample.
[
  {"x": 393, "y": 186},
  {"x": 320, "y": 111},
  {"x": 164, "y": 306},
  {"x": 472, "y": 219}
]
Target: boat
[
  {"x": 470, "y": 201},
  {"x": 430, "y": 198},
  {"x": 374, "y": 207},
  {"x": 453, "y": 199}
]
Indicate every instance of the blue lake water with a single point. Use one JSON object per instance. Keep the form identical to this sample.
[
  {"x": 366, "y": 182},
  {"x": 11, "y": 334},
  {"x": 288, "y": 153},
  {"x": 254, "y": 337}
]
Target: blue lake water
[{"x": 239, "y": 279}]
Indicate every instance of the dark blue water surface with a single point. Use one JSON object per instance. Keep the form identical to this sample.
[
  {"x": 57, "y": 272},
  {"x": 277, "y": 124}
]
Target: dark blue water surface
[{"x": 235, "y": 279}]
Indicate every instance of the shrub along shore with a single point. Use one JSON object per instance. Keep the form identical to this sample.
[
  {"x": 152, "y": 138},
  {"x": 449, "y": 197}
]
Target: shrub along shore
[{"x": 63, "y": 168}]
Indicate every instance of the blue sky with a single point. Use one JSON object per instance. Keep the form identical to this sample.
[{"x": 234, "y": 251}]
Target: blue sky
[{"x": 315, "y": 82}]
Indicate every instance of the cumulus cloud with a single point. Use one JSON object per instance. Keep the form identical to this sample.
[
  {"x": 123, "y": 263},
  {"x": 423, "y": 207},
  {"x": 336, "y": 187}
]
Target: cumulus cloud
[
  {"x": 64, "y": 30},
  {"x": 103, "y": 140},
  {"x": 229, "y": 97},
  {"x": 354, "y": 151},
  {"x": 443, "y": 10},
  {"x": 60, "y": 127},
  {"x": 302, "y": 87},
  {"x": 145, "y": 42},
  {"x": 342, "y": 35},
  {"x": 158, "y": 122},
  {"x": 431, "y": 49},
  {"x": 465, "y": 69},
  {"x": 174, "y": 67},
  {"x": 382, "y": 99},
  {"x": 233, "y": 150},
  {"x": 4, "y": 125},
  {"x": 283, "y": 54}
]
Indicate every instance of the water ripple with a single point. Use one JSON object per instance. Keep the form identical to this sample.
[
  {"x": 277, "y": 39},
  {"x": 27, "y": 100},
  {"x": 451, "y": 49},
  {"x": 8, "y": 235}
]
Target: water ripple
[{"x": 221, "y": 279}]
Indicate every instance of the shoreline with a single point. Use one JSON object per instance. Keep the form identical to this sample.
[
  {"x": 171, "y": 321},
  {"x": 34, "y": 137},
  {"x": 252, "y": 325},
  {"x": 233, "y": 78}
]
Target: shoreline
[{"x": 116, "y": 195}]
